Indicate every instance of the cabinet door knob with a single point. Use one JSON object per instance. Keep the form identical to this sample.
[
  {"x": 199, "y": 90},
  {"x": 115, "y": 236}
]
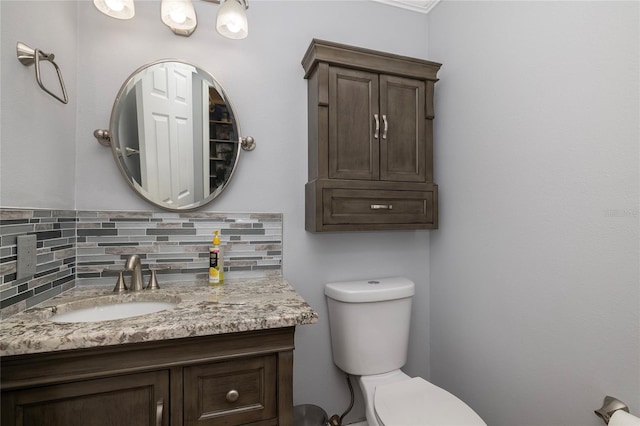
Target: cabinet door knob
[
  {"x": 377, "y": 132},
  {"x": 386, "y": 126},
  {"x": 233, "y": 395}
]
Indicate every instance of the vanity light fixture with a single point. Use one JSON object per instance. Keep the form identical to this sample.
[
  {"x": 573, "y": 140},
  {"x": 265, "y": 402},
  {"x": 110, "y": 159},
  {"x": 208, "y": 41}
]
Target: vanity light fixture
[
  {"x": 231, "y": 21},
  {"x": 119, "y": 9},
  {"x": 179, "y": 15}
]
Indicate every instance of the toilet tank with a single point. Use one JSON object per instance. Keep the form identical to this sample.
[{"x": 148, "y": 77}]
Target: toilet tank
[{"x": 369, "y": 323}]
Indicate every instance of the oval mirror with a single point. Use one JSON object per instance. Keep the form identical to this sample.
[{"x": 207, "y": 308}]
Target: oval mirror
[{"x": 174, "y": 135}]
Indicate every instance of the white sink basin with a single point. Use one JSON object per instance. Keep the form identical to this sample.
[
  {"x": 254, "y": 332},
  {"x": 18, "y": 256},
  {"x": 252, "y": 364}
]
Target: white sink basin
[{"x": 112, "y": 311}]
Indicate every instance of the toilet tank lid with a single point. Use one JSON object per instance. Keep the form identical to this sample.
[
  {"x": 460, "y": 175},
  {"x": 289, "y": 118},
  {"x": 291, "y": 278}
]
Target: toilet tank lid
[{"x": 373, "y": 290}]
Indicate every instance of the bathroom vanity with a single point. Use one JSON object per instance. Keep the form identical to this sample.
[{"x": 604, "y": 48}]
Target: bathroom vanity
[{"x": 222, "y": 356}]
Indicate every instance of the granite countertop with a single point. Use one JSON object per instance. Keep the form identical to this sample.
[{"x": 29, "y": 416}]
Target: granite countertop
[{"x": 201, "y": 311}]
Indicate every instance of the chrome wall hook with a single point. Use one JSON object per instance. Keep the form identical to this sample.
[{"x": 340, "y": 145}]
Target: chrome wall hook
[
  {"x": 609, "y": 406},
  {"x": 29, "y": 56}
]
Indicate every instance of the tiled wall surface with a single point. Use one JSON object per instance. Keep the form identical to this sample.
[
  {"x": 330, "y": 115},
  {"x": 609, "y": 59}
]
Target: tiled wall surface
[
  {"x": 251, "y": 243},
  {"x": 85, "y": 247},
  {"x": 55, "y": 231}
]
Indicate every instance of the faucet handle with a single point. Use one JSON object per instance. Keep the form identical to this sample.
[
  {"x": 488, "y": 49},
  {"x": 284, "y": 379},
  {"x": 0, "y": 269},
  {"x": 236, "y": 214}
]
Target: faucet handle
[
  {"x": 121, "y": 286},
  {"x": 153, "y": 281}
]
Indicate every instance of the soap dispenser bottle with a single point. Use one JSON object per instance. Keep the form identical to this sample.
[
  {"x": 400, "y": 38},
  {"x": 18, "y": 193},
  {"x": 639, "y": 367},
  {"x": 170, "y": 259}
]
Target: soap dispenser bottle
[
  {"x": 216, "y": 268},
  {"x": 220, "y": 258}
]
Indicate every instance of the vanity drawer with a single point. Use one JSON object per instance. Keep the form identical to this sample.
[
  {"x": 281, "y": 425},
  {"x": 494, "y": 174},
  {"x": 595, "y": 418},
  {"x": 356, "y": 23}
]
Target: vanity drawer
[
  {"x": 379, "y": 206},
  {"x": 231, "y": 392}
]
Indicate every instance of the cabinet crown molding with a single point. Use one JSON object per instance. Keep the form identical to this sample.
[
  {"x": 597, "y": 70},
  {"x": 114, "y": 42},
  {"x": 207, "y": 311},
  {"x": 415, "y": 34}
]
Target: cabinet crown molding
[
  {"x": 422, "y": 6},
  {"x": 367, "y": 59}
]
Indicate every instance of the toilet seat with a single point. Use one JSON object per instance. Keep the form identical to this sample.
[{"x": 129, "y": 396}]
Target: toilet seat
[{"x": 416, "y": 402}]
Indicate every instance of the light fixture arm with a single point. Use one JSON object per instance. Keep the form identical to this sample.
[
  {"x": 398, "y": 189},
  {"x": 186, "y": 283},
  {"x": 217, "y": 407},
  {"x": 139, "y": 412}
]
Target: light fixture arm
[{"x": 244, "y": 3}]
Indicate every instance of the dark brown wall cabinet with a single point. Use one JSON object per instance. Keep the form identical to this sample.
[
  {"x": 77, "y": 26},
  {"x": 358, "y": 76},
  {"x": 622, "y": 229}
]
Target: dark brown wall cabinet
[
  {"x": 370, "y": 140},
  {"x": 227, "y": 379}
]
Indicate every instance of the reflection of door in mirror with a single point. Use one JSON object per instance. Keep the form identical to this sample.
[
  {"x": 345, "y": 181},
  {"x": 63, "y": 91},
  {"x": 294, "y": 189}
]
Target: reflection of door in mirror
[{"x": 166, "y": 148}]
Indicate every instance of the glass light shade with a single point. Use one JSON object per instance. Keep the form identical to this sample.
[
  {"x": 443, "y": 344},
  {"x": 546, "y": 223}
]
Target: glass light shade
[
  {"x": 179, "y": 15},
  {"x": 119, "y": 9},
  {"x": 232, "y": 20}
]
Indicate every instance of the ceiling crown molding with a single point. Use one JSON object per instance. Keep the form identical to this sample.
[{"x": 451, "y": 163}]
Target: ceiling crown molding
[{"x": 422, "y": 6}]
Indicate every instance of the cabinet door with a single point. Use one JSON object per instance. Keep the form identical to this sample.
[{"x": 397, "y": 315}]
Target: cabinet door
[
  {"x": 402, "y": 137},
  {"x": 135, "y": 399},
  {"x": 353, "y": 140}
]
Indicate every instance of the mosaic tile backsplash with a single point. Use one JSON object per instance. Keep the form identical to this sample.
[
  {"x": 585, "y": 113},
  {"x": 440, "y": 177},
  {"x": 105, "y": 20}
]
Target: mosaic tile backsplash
[
  {"x": 85, "y": 247},
  {"x": 55, "y": 232}
]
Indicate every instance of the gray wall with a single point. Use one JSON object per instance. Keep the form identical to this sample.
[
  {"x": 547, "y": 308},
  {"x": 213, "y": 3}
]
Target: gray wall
[
  {"x": 37, "y": 154},
  {"x": 535, "y": 303}
]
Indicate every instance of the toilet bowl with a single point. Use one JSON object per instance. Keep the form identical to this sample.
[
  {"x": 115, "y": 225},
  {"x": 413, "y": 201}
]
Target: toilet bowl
[{"x": 369, "y": 323}]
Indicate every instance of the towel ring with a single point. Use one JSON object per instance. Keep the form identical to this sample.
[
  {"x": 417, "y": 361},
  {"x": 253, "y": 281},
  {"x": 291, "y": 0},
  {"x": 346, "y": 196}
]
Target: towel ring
[{"x": 29, "y": 56}]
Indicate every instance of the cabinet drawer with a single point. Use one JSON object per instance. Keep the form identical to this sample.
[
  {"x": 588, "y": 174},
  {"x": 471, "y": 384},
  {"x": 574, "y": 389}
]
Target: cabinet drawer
[
  {"x": 230, "y": 392},
  {"x": 357, "y": 206}
]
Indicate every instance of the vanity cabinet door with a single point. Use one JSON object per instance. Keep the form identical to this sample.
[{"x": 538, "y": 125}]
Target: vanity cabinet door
[
  {"x": 134, "y": 399},
  {"x": 234, "y": 392}
]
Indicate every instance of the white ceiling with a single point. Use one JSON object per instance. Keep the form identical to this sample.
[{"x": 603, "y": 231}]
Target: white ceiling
[{"x": 422, "y": 6}]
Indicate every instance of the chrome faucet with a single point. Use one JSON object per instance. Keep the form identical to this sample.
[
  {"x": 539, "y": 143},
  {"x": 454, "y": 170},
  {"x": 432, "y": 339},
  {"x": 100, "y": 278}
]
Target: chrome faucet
[{"x": 134, "y": 265}]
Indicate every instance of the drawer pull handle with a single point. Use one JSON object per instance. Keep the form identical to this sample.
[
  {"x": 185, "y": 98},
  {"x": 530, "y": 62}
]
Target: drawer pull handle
[
  {"x": 375, "y": 135},
  {"x": 381, "y": 207},
  {"x": 233, "y": 395}
]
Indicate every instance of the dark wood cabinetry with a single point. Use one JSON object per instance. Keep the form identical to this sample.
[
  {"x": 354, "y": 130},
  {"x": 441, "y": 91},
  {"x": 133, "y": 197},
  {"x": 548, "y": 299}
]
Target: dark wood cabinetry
[
  {"x": 230, "y": 379},
  {"x": 132, "y": 399},
  {"x": 232, "y": 392},
  {"x": 370, "y": 140}
]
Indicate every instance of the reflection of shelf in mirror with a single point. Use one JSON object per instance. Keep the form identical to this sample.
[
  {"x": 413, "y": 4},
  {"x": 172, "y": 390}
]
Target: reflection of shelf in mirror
[
  {"x": 217, "y": 159},
  {"x": 223, "y": 140},
  {"x": 220, "y": 122}
]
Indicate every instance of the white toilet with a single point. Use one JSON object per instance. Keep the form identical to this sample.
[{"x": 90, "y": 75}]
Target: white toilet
[{"x": 369, "y": 322}]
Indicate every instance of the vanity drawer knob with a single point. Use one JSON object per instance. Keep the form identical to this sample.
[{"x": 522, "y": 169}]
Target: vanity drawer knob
[{"x": 233, "y": 395}]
